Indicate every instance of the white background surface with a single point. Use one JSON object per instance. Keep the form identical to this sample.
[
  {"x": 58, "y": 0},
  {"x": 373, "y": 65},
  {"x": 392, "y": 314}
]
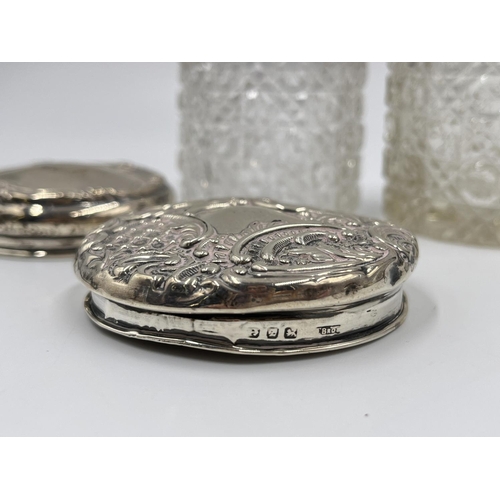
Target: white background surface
[{"x": 60, "y": 375}]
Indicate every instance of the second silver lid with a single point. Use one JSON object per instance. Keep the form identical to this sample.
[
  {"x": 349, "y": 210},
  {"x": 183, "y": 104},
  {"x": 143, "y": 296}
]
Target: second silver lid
[{"x": 47, "y": 208}]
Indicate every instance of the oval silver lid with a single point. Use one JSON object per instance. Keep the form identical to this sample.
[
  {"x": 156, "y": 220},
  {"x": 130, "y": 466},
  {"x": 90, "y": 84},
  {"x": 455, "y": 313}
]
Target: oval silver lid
[
  {"x": 248, "y": 276},
  {"x": 47, "y": 208}
]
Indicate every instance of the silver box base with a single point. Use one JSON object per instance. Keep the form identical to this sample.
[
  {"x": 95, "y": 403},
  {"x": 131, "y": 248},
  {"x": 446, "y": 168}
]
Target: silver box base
[{"x": 249, "y": 347}]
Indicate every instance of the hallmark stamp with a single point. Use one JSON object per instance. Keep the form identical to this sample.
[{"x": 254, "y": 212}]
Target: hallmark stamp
[
  {"x": 254, "y": 333},
  {"x": 328, "y": 330},
  {"x": 290, "y": 333},
  {"x": 272, "y": 333}
]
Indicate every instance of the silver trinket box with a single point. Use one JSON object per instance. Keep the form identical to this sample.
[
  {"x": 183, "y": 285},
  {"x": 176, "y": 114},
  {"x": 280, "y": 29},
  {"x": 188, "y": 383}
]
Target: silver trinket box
[
  {"x": 47, "y": 208},
  {"x": 247, "y": 276}
]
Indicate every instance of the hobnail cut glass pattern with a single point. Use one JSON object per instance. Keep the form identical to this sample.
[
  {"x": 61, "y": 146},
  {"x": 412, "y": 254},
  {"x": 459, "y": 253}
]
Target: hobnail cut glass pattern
[
  {"x": 442, "y": 159},
  {"x": 287, "y": 131}
]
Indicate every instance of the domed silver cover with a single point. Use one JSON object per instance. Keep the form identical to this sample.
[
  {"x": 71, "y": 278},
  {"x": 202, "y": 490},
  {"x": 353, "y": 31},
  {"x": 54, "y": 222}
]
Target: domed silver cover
[
  {"x": 47, "y": 208},
  {"x": 249, "y": 276}
]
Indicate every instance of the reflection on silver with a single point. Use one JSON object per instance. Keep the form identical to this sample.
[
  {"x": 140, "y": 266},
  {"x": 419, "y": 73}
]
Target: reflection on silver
[
  {"x": 46, "y": 209},
  {"x": 247, "y": 276}
]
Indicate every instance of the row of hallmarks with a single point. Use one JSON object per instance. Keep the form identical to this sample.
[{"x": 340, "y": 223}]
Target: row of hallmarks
[{"x": 289, "y": 332}]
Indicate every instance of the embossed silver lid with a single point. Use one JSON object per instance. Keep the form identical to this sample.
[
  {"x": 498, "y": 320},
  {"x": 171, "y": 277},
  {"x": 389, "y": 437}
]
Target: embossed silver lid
[
  {"x": 47, "y": 208},
  {"x": 247, "y": 276}
]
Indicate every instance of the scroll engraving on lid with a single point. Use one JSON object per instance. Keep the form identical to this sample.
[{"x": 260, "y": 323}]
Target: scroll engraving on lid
[{"x": 240, "y": 255}]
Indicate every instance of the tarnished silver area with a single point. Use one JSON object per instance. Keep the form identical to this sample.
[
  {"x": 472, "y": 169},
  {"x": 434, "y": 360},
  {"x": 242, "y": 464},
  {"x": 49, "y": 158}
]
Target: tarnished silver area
[
  {"x": 247, "y": 276},
  {"x": 47, "y": 208}
]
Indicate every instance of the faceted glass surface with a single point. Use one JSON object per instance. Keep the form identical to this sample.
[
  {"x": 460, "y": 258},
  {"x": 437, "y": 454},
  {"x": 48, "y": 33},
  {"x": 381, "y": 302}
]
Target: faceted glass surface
[
  {"x": 288, "y": 131},
  {"x": 442, "y": 160}
]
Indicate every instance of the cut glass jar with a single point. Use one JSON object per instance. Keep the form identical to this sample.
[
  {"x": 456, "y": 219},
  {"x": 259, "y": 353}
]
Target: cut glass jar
[
  {"x": 290, "y": 131},
  {"x": 442, "y": 160}
]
